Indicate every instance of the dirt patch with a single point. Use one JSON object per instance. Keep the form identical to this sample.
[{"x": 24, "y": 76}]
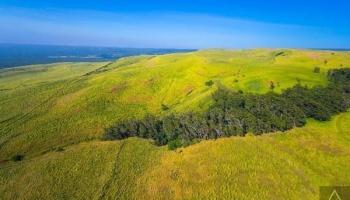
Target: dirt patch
[
  {"x": 314, "y": 56},
  {"x": 188, "y": 90},
  {"x": 149, "y": 82},
  {"x": 2, "y": 162},
  {"x": 139, "y": 99},
  {"x": 324, "y": 147},
  {"x": 119, "y": 88},
  {"x": 70, "y": 98},
  {"x": 330, "y": 149}
]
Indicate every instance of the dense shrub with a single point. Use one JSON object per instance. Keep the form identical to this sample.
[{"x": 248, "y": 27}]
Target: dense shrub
[
  {"x": 209, "y": 83},
  {"x": 17, "y": 157},
  {"x": 174, "y": 144},
  {"x": 59, "y": 149},
  {"x": 317, "y": 70},
  {"x": 237, "y": 113},
  {"x": 272, "y": 85},
  {"x": 281, "y": 53},
  {"x": 165, "y": 107}
]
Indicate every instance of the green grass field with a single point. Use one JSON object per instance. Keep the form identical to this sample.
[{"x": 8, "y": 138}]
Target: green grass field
[{"x": 45, "y": 108}]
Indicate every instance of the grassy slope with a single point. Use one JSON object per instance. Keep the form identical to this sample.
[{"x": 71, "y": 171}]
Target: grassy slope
[
  {"x": 28, "y": 96},
  {"x": 41, "y": 113},
  {"x": 279, "y": 166},
  {"x": 60, "y": 107}
]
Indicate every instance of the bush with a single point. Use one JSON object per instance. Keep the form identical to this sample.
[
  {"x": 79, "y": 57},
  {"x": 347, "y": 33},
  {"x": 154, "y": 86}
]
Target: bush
[
  {"x": 272, "y": 85},
  {"x": 165, "y": 107},
  {"x": 17, "y": 157},
  {"x": 59, "y": 149},
  {"x": 281, "y": 53},
  {"x": 209, "y": 83},
  {"x": 317, "y": 70},
  {"x": 174, "y": 144}
]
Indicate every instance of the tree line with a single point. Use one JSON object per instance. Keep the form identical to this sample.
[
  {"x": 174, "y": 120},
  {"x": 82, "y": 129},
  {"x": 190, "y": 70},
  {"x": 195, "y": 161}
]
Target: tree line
[{"x": 236, "y": 114}]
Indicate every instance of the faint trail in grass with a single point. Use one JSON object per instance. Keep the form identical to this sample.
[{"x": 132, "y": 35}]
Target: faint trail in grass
[
  {"x": 99, "y": 70},
  {"x": 199, "y": 74},
  {"x": 9, "y": 124},
  {"x": 23, "y": 117},
  {"x": 168, "y": 90},
  {"x": 108, "y": 183},
  {"x": 8, "y": 119}
]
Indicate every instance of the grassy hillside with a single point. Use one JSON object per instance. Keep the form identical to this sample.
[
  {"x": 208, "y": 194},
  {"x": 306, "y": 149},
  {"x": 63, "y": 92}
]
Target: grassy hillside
[
  {"x": 278, "y": 166},
  {"x": 45, "y": 109}
]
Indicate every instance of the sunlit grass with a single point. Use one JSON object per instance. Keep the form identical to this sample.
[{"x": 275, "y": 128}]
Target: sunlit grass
[
  {"x": 289, "y": 165},
  {"x": 43, "y": 108}
]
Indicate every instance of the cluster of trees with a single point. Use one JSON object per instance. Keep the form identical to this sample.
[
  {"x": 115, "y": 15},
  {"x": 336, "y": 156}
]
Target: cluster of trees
[{"x": 237, "y": 113}]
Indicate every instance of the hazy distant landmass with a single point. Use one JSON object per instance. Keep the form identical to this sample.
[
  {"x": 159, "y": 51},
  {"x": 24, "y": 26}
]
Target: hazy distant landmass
[
  {"x": 331, "y": 49},
  {"x": 12, "y": 55}
]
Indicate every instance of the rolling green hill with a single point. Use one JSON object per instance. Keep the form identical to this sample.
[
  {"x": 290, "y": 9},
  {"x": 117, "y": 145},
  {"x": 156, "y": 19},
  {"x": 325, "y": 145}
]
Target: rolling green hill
[{"x": 56, "y": 114}]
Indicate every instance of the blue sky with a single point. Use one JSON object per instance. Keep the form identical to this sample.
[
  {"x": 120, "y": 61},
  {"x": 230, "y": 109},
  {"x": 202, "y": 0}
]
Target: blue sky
[{"x": 177, "y": 23}]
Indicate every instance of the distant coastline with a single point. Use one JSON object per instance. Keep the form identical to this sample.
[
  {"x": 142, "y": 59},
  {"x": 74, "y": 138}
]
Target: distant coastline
[
  {"x": 331, "y": 49},
  {"x": 14, "y": 55}
]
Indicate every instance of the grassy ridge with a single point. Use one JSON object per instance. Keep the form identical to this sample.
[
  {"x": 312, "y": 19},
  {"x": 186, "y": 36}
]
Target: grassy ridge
[{"x": 69, "y": 105}]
